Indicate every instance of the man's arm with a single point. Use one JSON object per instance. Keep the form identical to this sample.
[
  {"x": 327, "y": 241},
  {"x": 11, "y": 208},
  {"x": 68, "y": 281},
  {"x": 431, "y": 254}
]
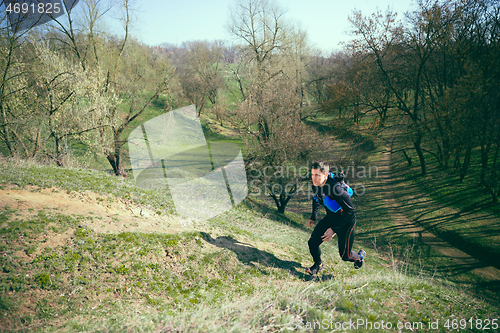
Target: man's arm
[
  {"x": 315, "y": 209},
  {"x": 314, "y": 214}
]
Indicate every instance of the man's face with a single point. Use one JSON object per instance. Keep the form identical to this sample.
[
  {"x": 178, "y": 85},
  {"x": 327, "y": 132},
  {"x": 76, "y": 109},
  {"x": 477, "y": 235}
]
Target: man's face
[{"x": 318, "y": 177}]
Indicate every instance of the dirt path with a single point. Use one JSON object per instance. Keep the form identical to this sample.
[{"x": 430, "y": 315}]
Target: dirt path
[
  {"x": 110, "y": 214},
  {"x": 457, "y": 262}
]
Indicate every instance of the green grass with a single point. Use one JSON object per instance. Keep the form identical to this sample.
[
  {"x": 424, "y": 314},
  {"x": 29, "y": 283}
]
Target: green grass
[
  {"x": 460, "y": 213},
  {"x": 239, "y": 271},
  {"x": 468, "y": 195},
  {"x": 358, "y": 138},
  {"x": 76, "y": 179}
]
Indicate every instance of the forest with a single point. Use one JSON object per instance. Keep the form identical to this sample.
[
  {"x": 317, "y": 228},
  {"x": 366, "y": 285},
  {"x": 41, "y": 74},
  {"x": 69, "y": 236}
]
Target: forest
[{"x": 68, "y": 89}]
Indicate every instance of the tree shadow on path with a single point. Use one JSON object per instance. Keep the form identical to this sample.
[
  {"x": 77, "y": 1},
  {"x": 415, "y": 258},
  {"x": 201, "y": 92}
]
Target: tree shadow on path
[{"x": 456, "y": 256}]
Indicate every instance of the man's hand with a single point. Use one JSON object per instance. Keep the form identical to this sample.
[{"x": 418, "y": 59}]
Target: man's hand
[
  {"x": 327, "y": 235},
  {"x": 310, "y": 223}
]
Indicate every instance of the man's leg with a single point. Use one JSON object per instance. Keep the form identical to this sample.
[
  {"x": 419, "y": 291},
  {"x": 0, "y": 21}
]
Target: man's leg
[
  {"x": 345, "y": 237},
  {"x": 315, "y": 239}
]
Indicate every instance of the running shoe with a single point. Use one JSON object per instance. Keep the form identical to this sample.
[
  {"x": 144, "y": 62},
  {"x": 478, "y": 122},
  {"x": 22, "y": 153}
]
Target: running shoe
[
  {"x": 359, "y": 263},
  {"x": 314, "y": 269}
]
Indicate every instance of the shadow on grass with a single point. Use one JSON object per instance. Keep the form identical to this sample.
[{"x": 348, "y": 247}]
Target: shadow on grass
[
  {"x": 159, "y": 103},
  {"x": 361, "y": 141},
  {"x": 272, "y": 214},
  {"x": 450, "y": 213},
  {"x": 454, "y": 225},
  {"x": 484, "y": 288},
  {"x": 491, "y": 286},
  {"x": 249, "y": 255}
]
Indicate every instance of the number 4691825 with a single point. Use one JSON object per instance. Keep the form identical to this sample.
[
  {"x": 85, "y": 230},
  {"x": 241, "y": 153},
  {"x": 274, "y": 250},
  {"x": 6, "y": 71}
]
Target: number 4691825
[
  {"x": 39, "y": 8},
  {"x": 478, "y": 324}
]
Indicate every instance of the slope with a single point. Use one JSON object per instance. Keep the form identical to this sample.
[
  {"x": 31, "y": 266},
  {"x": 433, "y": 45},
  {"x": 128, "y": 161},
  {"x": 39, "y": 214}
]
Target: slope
[{"x": 78, "y": 255}]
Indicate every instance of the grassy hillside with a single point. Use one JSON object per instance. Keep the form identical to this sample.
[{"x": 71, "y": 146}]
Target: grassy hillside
[
  {"x": 460, "y": 213},
  {"x": 95, "y": 258}
]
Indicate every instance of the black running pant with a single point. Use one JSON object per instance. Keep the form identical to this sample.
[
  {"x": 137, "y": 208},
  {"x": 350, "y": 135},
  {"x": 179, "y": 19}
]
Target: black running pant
[{"x": 345, "y": 238}]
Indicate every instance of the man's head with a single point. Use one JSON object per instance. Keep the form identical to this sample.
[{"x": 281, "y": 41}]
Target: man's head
[{"x": 319, "y": 172}]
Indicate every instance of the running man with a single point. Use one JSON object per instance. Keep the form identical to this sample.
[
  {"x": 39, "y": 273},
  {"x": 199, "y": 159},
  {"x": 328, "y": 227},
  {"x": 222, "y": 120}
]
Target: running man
[{"x": 342, "y": 222}]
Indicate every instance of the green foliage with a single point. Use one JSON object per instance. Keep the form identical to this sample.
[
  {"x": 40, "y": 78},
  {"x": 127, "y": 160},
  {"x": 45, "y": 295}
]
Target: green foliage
[
  {"x": 43, "y": 279},
  {"x": 44, "y": 309}
]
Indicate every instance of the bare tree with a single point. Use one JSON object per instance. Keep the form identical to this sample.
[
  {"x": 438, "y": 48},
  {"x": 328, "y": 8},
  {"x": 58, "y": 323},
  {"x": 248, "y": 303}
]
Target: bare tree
[
  {"x": 358, "y": 90},
  {"x": 68, "y": 99},
  {"x": 259, "y": 24},
  {"x": 274, "y": 55},
  {"x": 278, "y": 164},
  {"x": 15, "y": 60},
  {"x": 201, "y": 76},
  {"x": 124, "y": 69},
  {"x": 402, "y": 53},
  {"x": 139, "y": 73}
]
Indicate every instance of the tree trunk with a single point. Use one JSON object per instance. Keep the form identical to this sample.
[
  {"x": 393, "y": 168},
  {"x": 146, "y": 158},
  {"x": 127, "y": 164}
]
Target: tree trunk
[
  {"x": 281, "y": 209},
  {"x": 491, "y": 190},
  {"x": 7, "y": 140},
  {"x": 408, "y": 158},
  {"x": 37, "y": 143},
  {"x": 59, "y": 154},
  {"x": 4, "y": 132},
  {"x": 492, "y": 184},
  {"x": 420, "y": 154},
  {"x": 116, "y": 164},
  {"x": 277, "y": 202},
  {"x": 281, "y": 202},
  {"x": 284, "y": 197},
  {"x": 116, "y": 160},
  {"x": 484, "y": 162},
  {"x": 465, "y": 165}
]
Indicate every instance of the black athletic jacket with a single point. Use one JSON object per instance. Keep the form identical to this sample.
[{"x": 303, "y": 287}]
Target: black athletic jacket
[{"x": 337, "y": 192}]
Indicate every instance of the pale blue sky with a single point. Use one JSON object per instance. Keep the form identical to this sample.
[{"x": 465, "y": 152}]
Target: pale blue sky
[{"x": 174, "y": 21}]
